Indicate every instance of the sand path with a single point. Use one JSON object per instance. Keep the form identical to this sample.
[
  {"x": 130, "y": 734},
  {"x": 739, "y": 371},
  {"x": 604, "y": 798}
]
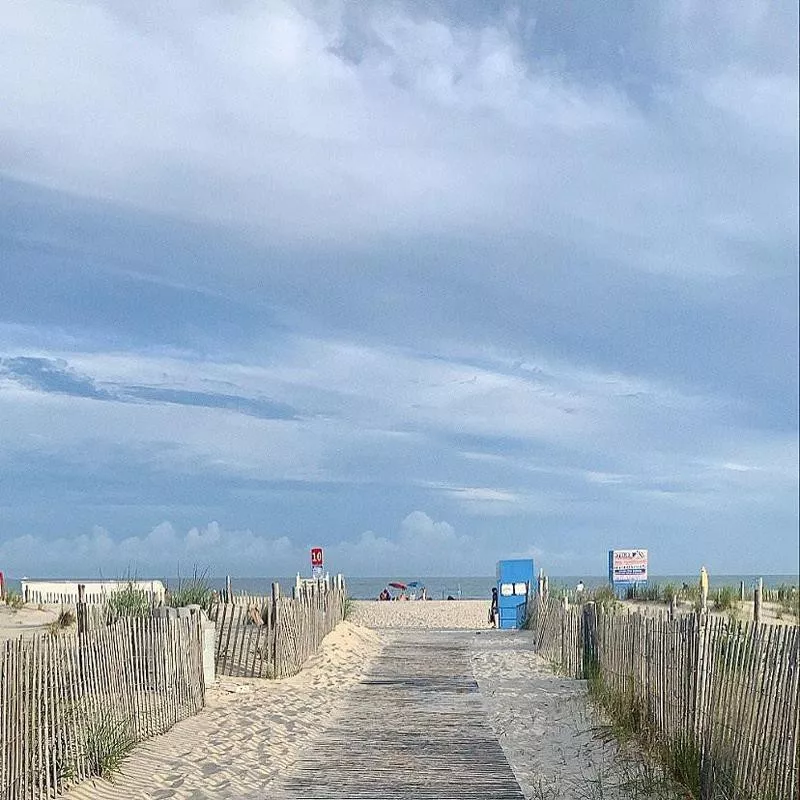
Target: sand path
[
  {"x": 414, "y": 728},
  {"x": 250, "y": 731}
]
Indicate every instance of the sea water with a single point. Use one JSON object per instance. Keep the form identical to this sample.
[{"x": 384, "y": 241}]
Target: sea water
[{"x": 458, "y": 588}]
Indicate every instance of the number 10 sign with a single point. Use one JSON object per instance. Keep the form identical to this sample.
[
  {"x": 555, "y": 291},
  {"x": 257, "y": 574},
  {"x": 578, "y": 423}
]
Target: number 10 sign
[{"x": 317, "y": 561}]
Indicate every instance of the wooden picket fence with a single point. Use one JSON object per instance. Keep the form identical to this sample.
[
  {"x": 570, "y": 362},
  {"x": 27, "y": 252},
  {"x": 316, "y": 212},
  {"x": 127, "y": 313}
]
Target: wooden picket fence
[
  {"x": 272, "y": 637},
  {"x": 68, "y": 702},
  {"x": 729, "y": 692}
]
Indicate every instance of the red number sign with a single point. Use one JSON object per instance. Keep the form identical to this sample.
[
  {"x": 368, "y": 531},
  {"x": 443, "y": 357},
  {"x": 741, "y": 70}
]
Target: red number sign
[{"x": 316, "y": 556}]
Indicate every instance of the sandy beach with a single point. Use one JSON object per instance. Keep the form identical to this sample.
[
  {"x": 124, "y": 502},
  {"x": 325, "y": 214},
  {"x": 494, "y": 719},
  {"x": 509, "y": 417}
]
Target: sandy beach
[
  {"x": 27, "y": 621},
  {"x": 428, "y": 614}
]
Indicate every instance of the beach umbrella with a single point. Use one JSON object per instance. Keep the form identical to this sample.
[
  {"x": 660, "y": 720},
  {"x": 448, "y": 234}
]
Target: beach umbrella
[
  {"x": 396, "y": 585},
  {"x": 413, "y": 584}
]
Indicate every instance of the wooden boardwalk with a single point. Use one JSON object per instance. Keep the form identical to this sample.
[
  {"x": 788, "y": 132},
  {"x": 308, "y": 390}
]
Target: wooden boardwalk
[{"x": 413, "y": 729}]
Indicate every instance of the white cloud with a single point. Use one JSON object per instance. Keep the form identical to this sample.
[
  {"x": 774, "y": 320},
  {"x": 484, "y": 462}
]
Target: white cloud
[
  {"x": 256, "y": 119},
  {"x": 420, "y": 545},
  {"x": 162, "y": 552}
]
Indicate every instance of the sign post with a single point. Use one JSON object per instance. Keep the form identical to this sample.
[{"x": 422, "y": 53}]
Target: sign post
[
  {"x": 627, "y": 567},
  {"x": 317, "y": 562}
]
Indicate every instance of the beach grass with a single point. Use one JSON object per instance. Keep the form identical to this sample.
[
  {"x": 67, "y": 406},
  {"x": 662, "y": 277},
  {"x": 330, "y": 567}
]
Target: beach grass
[
  {"x": 191, "y": 591},
  {"x": 129, "y": 601},
  {"x": 14, "y": 600}
]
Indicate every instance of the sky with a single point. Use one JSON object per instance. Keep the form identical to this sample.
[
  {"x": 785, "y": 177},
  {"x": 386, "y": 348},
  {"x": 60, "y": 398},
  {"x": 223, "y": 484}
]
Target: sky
[{"x": 427, "y": 284}]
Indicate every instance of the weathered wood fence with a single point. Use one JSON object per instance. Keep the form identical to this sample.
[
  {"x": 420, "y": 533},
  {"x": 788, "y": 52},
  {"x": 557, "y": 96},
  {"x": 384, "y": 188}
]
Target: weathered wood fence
[
  {"x": 728, "y": 692},
  {"x": 69, "y": 593},
  {"x": 272, "y": 637},
  {"x": 70, "y": 704}
]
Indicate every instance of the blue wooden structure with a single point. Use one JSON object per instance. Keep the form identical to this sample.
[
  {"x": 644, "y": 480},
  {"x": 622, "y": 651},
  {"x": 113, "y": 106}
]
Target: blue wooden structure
[{"x": 514, "y": 585}]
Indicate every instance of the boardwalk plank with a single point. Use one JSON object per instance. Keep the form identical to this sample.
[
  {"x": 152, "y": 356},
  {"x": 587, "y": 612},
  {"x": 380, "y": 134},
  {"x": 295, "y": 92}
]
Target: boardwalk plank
[{"x": 414, "y": 728}]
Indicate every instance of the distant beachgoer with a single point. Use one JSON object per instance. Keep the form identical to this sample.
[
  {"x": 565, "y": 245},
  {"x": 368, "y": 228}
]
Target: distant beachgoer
[
  {"x": 493, "y": 609},
  {"x": 423, "y": 595},
  {"x": 579, "y": 587},
  {"x": 384, "y": 595}
]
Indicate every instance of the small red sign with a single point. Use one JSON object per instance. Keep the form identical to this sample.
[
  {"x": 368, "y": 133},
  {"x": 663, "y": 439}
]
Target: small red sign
[{"x": 316, "y": 556}]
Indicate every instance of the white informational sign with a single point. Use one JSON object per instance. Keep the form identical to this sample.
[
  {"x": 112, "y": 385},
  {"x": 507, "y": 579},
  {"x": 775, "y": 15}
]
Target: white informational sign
[{"x": 627, "y": 566}]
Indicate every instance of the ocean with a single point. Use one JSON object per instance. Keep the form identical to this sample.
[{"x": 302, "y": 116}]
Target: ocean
[{"x": 466, "y": 587}]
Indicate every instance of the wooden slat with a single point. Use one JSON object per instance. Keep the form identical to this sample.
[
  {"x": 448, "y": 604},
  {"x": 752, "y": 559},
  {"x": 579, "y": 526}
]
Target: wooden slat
[{"x": 414, "y": 727}]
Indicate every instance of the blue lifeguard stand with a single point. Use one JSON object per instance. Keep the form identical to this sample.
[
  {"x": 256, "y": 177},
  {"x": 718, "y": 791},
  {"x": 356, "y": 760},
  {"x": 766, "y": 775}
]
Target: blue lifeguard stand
[{"x": 514, "y": 582}]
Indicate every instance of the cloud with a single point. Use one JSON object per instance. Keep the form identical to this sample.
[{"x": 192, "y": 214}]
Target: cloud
[
  {"x": 56, "y": 376},
  {"x": 426, "y": 126},
  {"x": 162, "y": 552},
  {"x": 422, "y": 546},
  {"x": 50, "y": 375}
]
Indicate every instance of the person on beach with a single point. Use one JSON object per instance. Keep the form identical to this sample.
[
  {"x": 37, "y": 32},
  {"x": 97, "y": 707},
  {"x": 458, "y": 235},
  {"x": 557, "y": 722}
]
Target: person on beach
[
  {"x": 384, "y": 595},
  {"x": 579, "y": 587},
  {"x": 493, "y": 609}
]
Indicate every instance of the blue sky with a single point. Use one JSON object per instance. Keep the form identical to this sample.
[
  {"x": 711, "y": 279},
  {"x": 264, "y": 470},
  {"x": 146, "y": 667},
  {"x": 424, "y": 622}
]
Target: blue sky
[{"x": 428, "y": 284}]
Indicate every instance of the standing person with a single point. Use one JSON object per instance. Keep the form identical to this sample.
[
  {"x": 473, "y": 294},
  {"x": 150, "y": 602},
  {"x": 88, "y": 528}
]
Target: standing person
[
  {"x": 493, "y": 609},
  {"x": 579, "y": 588}
]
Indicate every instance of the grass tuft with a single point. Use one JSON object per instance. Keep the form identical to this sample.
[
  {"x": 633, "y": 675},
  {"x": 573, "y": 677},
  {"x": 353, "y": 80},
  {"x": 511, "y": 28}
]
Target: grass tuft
[
  {"x": 727, "y": 598},
  {"x": 128, "y": 602},
  {"x": 66, "y": 618},
  {"x": 107, "y": 741},
  {"x": 192, "y": 591},
  {"x": 14, "y": 600}
]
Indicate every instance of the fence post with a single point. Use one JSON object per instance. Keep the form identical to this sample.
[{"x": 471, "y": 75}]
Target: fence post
[
  {"x": 80, "y": 609},
  {"x": 228, "y": 589},
  {"x": 757, "y": 596},
  {"x": 700, "y": 721},
  {"x": 589, "y": 642},
  {"x": 741, "y": 591},
  {"x": 276, "y": 596}
]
